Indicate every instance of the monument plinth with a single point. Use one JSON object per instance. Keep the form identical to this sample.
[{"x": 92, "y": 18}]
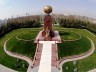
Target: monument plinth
[{"x": 48, "y": 33}]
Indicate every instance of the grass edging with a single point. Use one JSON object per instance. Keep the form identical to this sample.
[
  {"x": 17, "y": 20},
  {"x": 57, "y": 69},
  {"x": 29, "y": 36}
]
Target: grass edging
[
  {"x": 22, "y": 39},
  {"x": 74, "y": 39},
  {"x": 77, "y": 57},
  {"x": 25, "y": 58}
]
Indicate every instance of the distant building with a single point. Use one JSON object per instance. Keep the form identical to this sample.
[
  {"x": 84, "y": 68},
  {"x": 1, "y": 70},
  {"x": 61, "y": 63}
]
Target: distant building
[{"x": 66, "y": 14}]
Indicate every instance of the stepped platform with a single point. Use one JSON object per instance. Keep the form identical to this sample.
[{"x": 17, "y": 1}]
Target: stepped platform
[
  {"x": 55, "y": 38},
  {"x": 46, "y": 55}
]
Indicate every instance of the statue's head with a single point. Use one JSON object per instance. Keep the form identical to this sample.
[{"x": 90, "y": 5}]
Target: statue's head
[{"x": 48, "y": 9}]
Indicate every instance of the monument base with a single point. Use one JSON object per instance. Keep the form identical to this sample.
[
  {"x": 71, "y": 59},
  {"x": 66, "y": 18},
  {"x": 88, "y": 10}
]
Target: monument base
[
  {"x": 47, "y": 39},
  {"x": 51, "y": 33},
  {"x": 41, "y": 38},
  {"x": 43, "y": 33}
]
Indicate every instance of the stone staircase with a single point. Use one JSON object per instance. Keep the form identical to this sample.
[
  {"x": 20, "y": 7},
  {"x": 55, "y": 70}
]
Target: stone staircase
[{"x": 38, "y": 53}]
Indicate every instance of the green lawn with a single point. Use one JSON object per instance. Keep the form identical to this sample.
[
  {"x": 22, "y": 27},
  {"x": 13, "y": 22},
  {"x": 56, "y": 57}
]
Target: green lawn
[
  {"x": 82, "y": 65},
  {"x": 22, "y": 47},
  {"x": 74, "y": 47},
  {"x": 85, "y": 64},
  {"x": 10, "y": 61},
  {"x": 69, "y": 35},
  {"x": 29, "y": 35},
  {"x": 69, "y": 67}
]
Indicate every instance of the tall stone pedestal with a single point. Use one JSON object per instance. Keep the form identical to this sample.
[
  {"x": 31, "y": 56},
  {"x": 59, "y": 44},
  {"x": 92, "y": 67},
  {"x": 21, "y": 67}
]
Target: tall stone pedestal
[{"x": 48, "y": 27}]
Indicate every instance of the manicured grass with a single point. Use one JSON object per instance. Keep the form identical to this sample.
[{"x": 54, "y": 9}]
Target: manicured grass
[
  {"x": 74, "y": 47},
  {"x": 22, "y": 47},
  {"x": 85, "y": 64},
  {"x": 10, "y": 61},
  {"x": 69, "y": 67},
  {"x": 69, "y": 35},
  {"x": 29, "y": 35}
]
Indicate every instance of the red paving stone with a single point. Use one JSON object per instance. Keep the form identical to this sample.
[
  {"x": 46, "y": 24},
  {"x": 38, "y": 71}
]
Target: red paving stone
[
  {"x": 38, "y": 52},
  {"x": 54, "y": 55},
  {"x": 36, "y": 63},
  {"x": 37, "y": 56}
]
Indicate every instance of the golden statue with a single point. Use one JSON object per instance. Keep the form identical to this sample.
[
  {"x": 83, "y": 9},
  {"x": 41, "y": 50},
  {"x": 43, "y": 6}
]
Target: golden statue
[{"x": 48, "y": 9}]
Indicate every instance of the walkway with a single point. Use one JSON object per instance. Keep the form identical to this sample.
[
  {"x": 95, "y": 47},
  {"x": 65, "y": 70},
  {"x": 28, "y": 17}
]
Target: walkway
[
  {"x": 45, "y": 63},
  {"x": 49, "y": 57},
  {"x": 54, "y": 55},
  {"x": 46, "y": 56},
  {"x": 77, "y": 57},
  {"x": 37, "y": 56},
  {"x": 18, "y": 56},
  {"x": 93, "y": 70},
  {"x": 6, "y": 69}
]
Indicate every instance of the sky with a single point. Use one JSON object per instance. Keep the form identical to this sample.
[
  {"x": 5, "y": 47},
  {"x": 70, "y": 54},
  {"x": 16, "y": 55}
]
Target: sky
[{"x": 9, "y": 8}]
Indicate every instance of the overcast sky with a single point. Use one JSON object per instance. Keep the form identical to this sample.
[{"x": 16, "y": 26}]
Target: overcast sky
[{"x": 9, "y": 8}]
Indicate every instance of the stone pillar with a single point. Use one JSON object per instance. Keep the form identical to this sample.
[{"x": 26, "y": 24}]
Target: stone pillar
[{"x": 48, "y": 23}]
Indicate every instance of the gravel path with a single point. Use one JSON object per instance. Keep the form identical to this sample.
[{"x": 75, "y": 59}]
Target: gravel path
[
  {"x": 77, "y": 57},
  {"x": 6, "y": 69},
  {"x": 93, "y": 70},
  {"x": 67, "y": 59},
  {"x": 19, "y": 56}
]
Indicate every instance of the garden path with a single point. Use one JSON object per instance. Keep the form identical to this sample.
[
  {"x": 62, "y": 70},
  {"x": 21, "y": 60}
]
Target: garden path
[
  {"x": 18, "y": 56},
  {"x": 6, "y": 69},
  {"x": 77, "y": 57}
]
